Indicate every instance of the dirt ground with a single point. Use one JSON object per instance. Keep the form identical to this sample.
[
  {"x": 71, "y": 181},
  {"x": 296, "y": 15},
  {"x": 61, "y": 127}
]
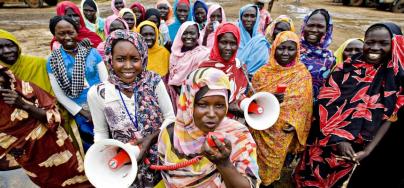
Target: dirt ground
[{"x": 31, "y": 25}]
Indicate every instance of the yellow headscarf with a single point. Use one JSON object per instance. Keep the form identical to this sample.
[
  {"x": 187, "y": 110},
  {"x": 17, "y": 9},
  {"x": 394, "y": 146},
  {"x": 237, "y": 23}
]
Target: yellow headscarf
[
  {"x": 28, "y": 68},
  {"x": 125, "y": 10},
  {"x": 339, "y": 52},
  {"x": 159, "y": 56},
  {"x": 270, "y": 29}
]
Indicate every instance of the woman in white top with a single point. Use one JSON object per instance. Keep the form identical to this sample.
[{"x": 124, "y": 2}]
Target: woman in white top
[{"x": 133, "y": 105}]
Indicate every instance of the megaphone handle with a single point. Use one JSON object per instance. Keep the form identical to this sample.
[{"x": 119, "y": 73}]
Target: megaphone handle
[{"x": 175, "y": 166}]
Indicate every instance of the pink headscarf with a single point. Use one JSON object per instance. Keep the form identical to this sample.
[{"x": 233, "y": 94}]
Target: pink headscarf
[
  {"x": 183, "y": 63},
  {"x": 211, "y": 37},
  {"x": 115, "y": 10},
  {"x": 107, "y": 25}
]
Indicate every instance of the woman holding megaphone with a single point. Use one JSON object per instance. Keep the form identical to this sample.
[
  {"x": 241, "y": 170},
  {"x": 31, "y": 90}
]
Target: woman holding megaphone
[
  {"x": 133, "y": 104},
  {"x": 289, "y": 133},
  {"x": 228, "y": 158}
]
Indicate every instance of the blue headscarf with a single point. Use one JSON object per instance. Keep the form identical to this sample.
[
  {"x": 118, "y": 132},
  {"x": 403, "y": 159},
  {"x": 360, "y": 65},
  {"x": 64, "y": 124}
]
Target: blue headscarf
[
  {"x": 204, "y": 6},
  {"x": 173, "y": 28},
  {"x": 318, "y": 59},
  {"x": 253, "y": 50}
]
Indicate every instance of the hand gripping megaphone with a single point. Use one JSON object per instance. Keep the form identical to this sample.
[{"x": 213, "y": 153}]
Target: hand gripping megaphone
[
  {"x": 261, "y": 110},
  {"x": 104, "y": 163}
]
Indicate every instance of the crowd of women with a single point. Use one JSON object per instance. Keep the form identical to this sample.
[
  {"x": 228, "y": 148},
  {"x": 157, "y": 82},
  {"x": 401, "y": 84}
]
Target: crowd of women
[{"x": 165, "y": 78}]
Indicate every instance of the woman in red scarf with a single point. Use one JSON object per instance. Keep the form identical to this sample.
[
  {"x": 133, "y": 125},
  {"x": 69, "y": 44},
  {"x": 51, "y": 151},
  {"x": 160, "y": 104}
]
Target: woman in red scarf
[
  {"x": 223, "y": 57},
  {"x": 67, "y": 8}
]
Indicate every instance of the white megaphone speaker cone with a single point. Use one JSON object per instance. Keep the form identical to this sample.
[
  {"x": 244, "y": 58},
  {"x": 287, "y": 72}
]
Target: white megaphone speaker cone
[
  {"x": 261, "y": 110},
  {"x": 97, "y": 164}
]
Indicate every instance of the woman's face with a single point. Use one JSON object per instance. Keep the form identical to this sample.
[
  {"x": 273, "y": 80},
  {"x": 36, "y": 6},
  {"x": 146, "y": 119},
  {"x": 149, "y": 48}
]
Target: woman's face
[
  {"x": 315, "y": 29},
  {"x": 138, "y": 14},
  {"x": 126, "y": 61},
  {"x": 209, "y": 112},
  {"x": 129, "y": 19},
  {"x": 76, "y": 18},
  {"x": 352, "y": 48},
  {"x": 163, "y": 8},
  {"x": 115, "y": 25},
  {"x": 216, "y": 15},
  {"x": 200, "y": 15},
  {"x": 90, "y": 13},
  {"x": 279, "y": 27},
  {"x": 182, "y": 12},
  {"x": 190, "y": 37},
  {"x": 66, "y": 35},
  {"x": 8, "y": 51},
  {"x": 248, "y": 18},
  {"x": 377, "y": 45},
  {"x": 119, "y": 4},
  {"x": 286, "y": 52},
  {"x": 149, "y": 35},
  {"x": 227, "y": 46}
]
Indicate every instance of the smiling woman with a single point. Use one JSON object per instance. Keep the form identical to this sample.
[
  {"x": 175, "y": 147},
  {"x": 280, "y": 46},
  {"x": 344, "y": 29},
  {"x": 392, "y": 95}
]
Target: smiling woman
[
  {"x": 185, "y": 57},
  {"x": 316, "y": 37},
  {"x": 133, "y": 105},
  {"x": 72, "y": 70}
]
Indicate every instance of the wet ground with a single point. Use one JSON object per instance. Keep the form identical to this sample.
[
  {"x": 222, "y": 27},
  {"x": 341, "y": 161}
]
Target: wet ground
[{"x": 31, "y": 25}]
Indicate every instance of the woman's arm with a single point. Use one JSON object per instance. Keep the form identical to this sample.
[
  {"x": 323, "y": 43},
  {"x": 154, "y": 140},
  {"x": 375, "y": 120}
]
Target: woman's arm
[
  {"x": 96, "y": 106},
  {"x": 221, "y": 158},
  {"x": 165, "y": 104},
  {"x": 369, "y": 148},
  {"x": 68, "y": 103},
  {"x": 14, "y": 99}
]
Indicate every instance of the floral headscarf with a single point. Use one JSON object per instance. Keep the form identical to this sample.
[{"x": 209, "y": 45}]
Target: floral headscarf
[{"x": 137, "y": 40}]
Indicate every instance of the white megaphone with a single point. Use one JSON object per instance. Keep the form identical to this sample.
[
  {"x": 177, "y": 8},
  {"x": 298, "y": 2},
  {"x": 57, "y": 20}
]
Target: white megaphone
[
  {"x": 104, "y": 164},
  {"x": 261, "y": 110}
]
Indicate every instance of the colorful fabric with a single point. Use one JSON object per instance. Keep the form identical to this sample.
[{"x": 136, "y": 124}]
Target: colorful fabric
[
  {"x": 340, "y": 51},
  {"x": 159, "y": 56},
  {"x": 270, "y": 29},
  {"x": 170, "y": 15},
  {"x": 43, "y": 149},
  {"x": 108, "y": 22},
  {"x": 211, "y": 38},
  {"x": 185, "y": 141},
  {"x": 183, "y": 63},
  {"x": 83, "y": 32},
  {"x": 296, "y": 110},
  {"x": 355, "y": 101},
  {"x": 233, "y": 68},
  {"x": 140, "y": 6},
  {"x": 98, "y": 26},
  {"x": 149, "y": 116},
  {"x": 265, "y": 19},
  {"x": 34, "y": 70},
  {"x": 197, "y": 4},
  {"x": 318, "y": 59},
  {"x": 115, "y": 10},
  {"x": 29, "y": 68},
  {"x": 175, "y": 26},
  {"x": 253, "y": 49},
  {"x": 123, "y": 12}
]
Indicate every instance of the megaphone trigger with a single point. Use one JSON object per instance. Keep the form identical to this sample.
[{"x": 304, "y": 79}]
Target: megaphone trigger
[
  {"x": 119, "y": 160},
  {"x": 254, "y": 108}
]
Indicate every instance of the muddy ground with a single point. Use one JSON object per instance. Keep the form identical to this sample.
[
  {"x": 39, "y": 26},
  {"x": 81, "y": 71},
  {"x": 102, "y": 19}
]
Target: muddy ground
[{"x": 31, "y": 25}]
